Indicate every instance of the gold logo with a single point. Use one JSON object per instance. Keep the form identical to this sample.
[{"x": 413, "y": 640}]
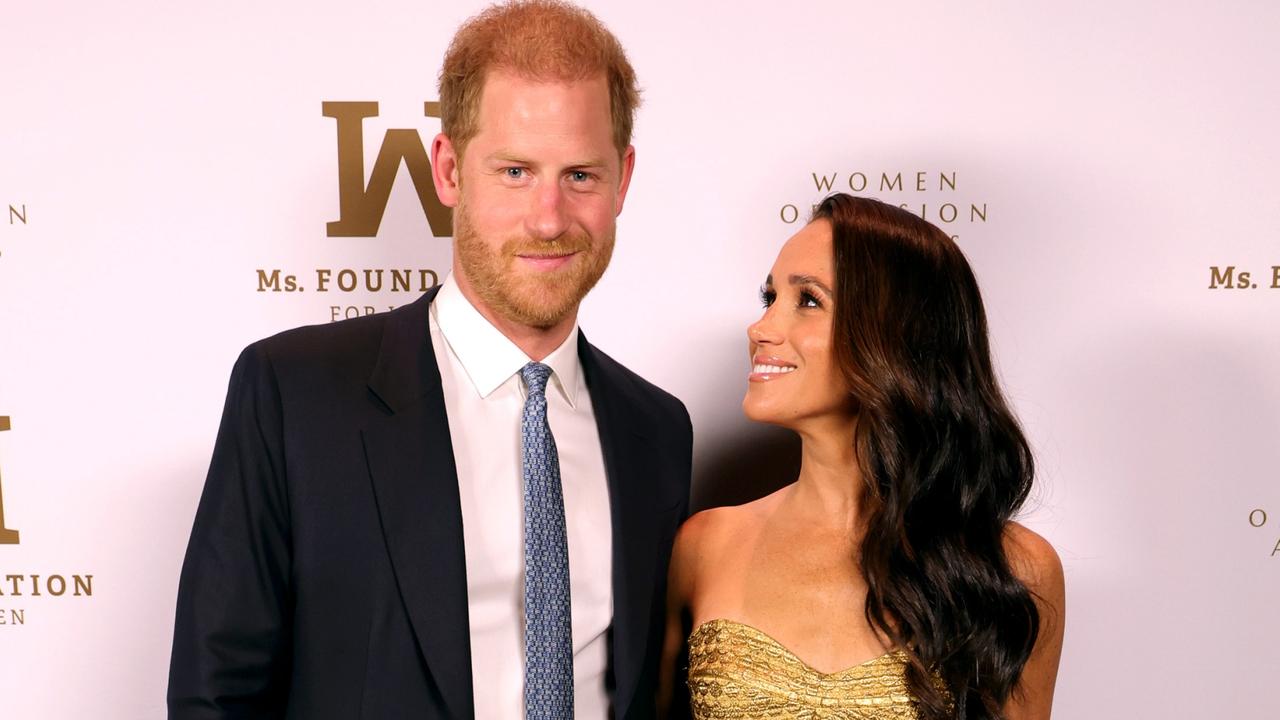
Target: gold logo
[
  {"x": 7, "y": 536},
  {"x": 18, "y": 214},
  {"x": 360, "y": 205}
]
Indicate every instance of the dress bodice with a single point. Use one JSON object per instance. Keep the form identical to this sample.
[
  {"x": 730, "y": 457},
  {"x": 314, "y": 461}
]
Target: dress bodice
[{"x": 737, "y": 672}]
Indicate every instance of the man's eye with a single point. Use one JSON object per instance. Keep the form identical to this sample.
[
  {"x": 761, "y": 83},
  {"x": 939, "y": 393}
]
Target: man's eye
[
  {"x": 580, "y": 176},
  {"x": 515, "y": 173}
]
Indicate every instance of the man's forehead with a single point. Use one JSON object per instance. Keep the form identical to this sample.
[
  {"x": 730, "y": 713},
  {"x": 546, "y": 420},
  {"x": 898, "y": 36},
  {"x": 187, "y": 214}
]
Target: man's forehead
[{"x": 519, "y": 115}]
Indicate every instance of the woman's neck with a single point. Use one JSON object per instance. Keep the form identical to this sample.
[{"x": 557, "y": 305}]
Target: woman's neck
[{"x": 829, "y": 489}]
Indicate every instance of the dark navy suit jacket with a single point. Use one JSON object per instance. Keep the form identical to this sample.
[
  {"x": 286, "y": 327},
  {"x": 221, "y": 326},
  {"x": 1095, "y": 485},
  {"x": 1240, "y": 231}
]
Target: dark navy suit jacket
[{"x": 325, "y": 575}]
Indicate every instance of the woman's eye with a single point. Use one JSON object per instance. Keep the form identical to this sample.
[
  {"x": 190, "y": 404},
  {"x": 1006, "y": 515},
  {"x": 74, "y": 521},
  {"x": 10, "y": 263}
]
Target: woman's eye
[
  {"x": 767, "y": 297},
  {"x": 809, "y": 300}
]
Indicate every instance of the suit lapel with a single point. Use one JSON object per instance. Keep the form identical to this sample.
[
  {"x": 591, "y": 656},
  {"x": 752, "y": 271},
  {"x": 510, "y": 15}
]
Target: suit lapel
[
  {"x": 626, "y": 456},
  {"x": 415, "y": 483}
]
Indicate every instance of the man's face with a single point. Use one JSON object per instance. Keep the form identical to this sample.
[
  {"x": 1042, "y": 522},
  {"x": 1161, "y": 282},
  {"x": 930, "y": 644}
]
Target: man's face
[{"x": 538, "y": 194}]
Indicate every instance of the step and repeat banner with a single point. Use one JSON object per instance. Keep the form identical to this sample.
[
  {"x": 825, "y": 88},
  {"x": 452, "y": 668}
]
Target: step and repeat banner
[{"x": 178, "y": 180}]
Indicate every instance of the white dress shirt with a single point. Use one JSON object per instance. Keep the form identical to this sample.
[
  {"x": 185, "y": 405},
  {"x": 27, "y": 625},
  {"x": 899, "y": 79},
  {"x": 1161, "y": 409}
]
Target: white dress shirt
[{"x": 484, "y": 397}]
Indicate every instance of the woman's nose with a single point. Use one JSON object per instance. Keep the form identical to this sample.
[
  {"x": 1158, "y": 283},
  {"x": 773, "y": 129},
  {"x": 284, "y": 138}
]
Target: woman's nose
[{"x": 763, "y": 331}]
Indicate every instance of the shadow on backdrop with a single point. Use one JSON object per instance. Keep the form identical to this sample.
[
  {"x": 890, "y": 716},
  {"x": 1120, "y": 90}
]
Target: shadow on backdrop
[{"x": 744, "y": 462}]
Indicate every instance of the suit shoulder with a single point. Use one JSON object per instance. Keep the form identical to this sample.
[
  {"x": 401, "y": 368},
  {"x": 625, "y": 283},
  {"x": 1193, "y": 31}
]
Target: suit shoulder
[
  {"x": 330, "y": 341},
  {"x": 311, "y": 357}
]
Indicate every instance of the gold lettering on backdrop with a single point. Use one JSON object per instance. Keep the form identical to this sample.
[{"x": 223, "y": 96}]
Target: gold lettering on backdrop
[
  {"x": 372, "y": 280},
  {"x": 1257, "y": 519},
  {"x": 1229, "y": 278},
  {"x": 340, "y": 312},
  {"x": 55, "y": 585},
  {"x": 7, "y": 535},
  {"x": 892, "y": 186},
  {"x": 1233, "y": 277},
  {"x": 272, "y": 282},
  {"x": 361, "y": 206},
  {"x": 857, "y": 181}
]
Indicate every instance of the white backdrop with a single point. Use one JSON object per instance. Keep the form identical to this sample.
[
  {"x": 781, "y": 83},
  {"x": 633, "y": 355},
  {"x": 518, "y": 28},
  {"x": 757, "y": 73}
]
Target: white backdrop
[{"x": 156, "y": 155}]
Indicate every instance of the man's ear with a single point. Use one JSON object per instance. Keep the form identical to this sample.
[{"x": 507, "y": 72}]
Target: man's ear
[
  {"x": 446, "y": 165},
  {"x": 628, "y": 164}
]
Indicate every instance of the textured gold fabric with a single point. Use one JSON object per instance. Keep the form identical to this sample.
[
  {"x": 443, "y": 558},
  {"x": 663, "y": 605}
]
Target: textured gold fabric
[{"x": 737, "y": 672}]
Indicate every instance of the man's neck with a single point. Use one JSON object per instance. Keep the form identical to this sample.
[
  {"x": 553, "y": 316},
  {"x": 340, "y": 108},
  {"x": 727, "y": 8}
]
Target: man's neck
[{"x": 535, "y": 342}]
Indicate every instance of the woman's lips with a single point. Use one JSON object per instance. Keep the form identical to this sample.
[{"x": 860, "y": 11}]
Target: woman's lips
[{"x": 765, "y": 369}]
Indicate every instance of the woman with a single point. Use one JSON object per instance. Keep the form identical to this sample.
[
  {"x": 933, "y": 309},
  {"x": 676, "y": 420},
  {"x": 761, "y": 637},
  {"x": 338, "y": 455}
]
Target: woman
[{"x": 887, "y": 581}]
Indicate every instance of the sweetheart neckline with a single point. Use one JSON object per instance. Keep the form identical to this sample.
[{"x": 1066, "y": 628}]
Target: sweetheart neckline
[{"x": 770, "y": 640}]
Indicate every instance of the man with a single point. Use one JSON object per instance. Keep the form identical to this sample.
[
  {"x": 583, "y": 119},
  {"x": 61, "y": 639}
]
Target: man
[{"x": 461, "y": 507}]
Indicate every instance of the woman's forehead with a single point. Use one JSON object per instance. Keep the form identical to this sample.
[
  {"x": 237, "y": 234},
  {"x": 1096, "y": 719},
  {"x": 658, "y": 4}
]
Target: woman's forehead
[{"x": 808, "y": 252}]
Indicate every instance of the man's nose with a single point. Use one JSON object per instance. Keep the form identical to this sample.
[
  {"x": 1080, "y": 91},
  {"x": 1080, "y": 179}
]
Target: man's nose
[{"x": 548, "y": 217}]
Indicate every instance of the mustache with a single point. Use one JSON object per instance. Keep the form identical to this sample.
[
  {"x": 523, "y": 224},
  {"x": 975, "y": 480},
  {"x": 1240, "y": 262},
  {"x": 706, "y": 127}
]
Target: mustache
[{"x": 562, "y": 245}]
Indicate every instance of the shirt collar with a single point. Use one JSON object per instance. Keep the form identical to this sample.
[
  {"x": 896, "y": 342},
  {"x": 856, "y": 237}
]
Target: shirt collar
[{"x": 489, "y": 357}]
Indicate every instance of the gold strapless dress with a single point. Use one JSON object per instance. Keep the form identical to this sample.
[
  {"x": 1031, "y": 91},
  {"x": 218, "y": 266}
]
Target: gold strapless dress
[{"x": 737, "y": 672}]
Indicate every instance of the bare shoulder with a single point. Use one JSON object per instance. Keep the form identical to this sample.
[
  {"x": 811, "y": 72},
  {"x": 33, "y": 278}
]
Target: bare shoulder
[
  {"x": 706, "y": 538},
  {"x": 1037, "y": 565},
  {"x": 702, "y": 533},
  {"x": 694, "y": 541},
  {"x": 1035, "y": 562}
]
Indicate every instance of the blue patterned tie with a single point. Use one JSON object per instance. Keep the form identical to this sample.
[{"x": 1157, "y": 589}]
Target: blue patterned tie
[{"x": 548, "y": 635}]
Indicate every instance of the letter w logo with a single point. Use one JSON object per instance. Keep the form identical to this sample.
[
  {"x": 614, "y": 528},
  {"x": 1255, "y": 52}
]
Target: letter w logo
[{"x": 361, "y": 206}]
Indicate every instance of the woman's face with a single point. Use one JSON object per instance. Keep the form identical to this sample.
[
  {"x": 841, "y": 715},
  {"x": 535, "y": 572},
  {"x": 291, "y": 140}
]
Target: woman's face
[{"x": 794, "y": 379}]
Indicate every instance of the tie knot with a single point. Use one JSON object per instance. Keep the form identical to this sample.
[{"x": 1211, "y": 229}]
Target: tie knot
[{"x": 535, "y": 377}]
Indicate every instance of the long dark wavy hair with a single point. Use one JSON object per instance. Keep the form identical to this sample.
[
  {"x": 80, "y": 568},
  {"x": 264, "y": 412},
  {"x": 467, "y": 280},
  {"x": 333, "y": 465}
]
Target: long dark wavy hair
[{"x": 944, "y": 461}]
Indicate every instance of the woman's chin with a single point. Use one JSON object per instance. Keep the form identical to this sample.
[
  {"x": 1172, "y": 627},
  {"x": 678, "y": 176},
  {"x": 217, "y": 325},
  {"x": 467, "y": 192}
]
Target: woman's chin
[{"x": 760, "y": 412}]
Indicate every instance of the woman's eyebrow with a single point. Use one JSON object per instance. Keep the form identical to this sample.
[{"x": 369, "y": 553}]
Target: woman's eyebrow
[{"x": 809, "y": 280}]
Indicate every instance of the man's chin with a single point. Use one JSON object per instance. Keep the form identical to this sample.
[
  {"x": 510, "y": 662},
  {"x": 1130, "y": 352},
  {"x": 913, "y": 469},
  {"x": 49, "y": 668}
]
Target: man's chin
[{"x": 539, "y": 311}]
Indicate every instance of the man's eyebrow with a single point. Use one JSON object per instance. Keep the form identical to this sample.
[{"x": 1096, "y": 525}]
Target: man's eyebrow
[
  {"x": 504, "y": 155},
  {"x": 809, "y": 280}
]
